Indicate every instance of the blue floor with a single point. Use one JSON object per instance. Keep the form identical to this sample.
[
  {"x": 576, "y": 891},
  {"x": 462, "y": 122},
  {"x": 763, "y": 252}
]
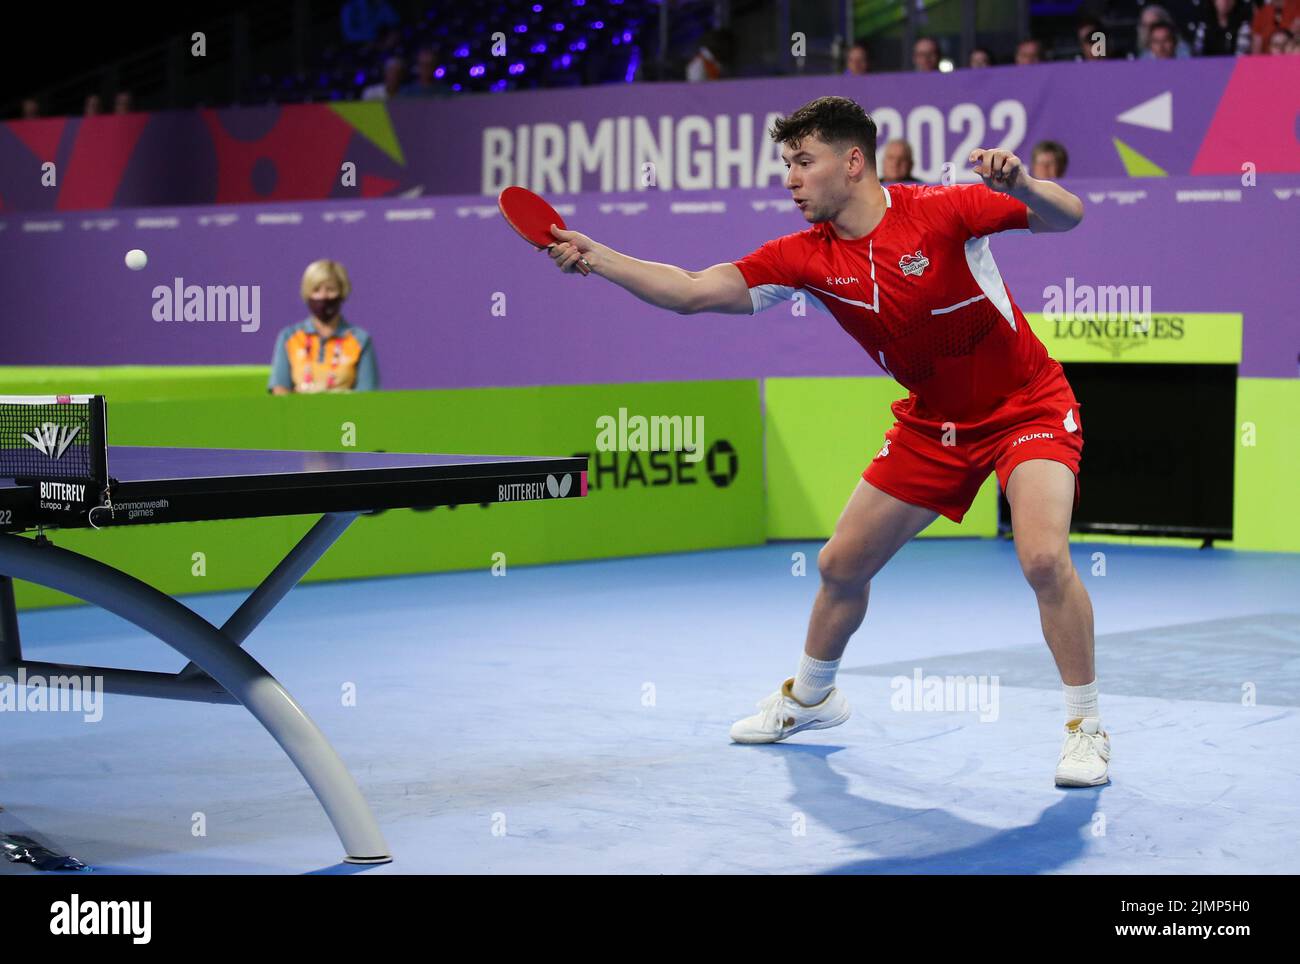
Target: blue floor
[{"x": 574, "y": 718}]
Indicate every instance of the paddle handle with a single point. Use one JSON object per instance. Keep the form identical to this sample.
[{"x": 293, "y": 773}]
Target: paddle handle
[{"x": 584, "y": 269}]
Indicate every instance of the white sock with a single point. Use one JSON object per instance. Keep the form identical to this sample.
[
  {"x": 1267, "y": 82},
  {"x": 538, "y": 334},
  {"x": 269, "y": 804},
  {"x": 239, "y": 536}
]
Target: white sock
[
  {"x": 1081, "y": 701},
  {"x": 816, "y": 678}
]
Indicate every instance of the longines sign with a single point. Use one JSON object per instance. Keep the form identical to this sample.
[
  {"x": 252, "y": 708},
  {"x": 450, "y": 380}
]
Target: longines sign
[{"x": 1182, "y": 337}]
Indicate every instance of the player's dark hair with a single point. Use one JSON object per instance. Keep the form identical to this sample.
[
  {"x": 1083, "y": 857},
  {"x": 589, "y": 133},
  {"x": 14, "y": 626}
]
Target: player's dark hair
[{"x": 838, "y": 121}]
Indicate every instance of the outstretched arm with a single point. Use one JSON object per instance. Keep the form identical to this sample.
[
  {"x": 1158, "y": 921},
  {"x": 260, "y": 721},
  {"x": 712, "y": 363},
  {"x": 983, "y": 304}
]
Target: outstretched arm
[
  {"x": 1051, "y": 207},
  {"x": 720, "y": 288}
]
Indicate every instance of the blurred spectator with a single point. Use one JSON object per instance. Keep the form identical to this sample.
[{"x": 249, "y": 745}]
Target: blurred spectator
[
  {"x": 858, "y": 61},
  {"x": 1225, "y": 31},
  {"x": 1152, "y": 16},
  {"x": 31, "y": 108},
  {"x": 1183, "y": 14},
  {"x": 896, "y": 163},
  {"x": 1161, "y": 42},
  {"x": 925, "y": 54},
  {"x": 1280, "y": 42},
  {"x": 363, "y": 19},
  {"x": 122, "y": 102},
  {"x": 1273, "y": 15},
  {"x": 713, "y": 58},
  {"x": 94, "y": 105},
  {"x": 979, "y": 57},
  {"x": 323, "y": 353},
  {"x": 1092, "y": 40},
  {"x": 394, "y": 72},
  {"x": 1294, "y": 46},
  {"x": 1049, "y": 161},
  {"x": 1029, "y": 52},
  {"x": 423, "y": 85}
]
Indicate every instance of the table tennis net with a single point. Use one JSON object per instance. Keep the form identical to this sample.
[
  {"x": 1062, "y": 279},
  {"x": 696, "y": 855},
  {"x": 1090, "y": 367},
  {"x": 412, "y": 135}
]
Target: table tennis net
[{"x": 58, "y": 437}]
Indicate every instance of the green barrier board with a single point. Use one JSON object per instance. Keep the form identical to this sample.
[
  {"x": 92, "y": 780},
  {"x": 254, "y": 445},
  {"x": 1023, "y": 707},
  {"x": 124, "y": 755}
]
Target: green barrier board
[
  {"x": 136, "y": 382},
  {"x": 639, "y": 502}
]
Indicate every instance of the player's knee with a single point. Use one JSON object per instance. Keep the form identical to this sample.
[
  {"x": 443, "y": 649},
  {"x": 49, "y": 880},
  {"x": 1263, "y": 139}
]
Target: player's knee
[
  {"x": 843, "y": 569},
  {"x": 1045, "y": 568}
]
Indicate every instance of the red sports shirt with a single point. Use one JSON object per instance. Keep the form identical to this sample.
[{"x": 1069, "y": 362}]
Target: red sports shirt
[{"x": 921, "y": 293}]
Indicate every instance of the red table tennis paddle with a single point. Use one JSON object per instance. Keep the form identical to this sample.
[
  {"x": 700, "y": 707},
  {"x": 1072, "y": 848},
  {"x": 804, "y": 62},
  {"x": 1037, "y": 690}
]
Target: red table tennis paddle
[{"x": 532, "y": 217}]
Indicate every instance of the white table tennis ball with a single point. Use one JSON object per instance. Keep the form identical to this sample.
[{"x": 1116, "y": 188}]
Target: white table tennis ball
[{"x": 136, "y": 259}]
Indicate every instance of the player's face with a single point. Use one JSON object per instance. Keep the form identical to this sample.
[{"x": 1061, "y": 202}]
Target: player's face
[{"x": 817, "y": 177}]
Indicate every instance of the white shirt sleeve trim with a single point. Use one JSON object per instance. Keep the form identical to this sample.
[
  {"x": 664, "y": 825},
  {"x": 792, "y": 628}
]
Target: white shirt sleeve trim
[
  {"x": 763, "y": 297},
  {"x": 979, "y": 259}
]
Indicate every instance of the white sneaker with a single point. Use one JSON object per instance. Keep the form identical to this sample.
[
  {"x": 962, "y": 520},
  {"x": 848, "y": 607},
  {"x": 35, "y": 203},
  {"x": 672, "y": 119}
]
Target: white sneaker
[
  {"x": 1085, "y": 757},
  {"x": 781, "y": 715}
]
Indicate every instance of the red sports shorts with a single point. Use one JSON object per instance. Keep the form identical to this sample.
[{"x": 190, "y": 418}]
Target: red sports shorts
[{"x": 1041, "y": 421}]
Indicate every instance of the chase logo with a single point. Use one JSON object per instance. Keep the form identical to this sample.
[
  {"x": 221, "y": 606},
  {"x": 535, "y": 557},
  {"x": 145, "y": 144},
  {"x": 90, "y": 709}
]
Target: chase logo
[
  {"x": 632, "y": 469},
  {"x": 722, "y": 463}
]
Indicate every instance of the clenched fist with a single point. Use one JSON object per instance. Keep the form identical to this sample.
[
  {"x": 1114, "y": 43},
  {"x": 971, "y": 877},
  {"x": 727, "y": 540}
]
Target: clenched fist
[{"x": 1001, "y": 170}]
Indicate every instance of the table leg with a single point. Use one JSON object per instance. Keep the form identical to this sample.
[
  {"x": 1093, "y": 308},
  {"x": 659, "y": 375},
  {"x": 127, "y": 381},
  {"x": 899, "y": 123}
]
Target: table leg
[
  {"x": 217, "y": 655},
  {"x": 314, "y": 544},
  {"x": 11, "y": 647}
]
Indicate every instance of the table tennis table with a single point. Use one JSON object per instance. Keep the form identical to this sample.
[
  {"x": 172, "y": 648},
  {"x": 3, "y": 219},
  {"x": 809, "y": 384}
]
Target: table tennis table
[{"x": 153, "y": 486}]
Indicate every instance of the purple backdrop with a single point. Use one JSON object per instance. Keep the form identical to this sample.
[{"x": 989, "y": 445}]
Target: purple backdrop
[
  {"x": 427, "y": 274},
  {"x": 1207, "y": 116},
  {"x": 943, "y": 116}
]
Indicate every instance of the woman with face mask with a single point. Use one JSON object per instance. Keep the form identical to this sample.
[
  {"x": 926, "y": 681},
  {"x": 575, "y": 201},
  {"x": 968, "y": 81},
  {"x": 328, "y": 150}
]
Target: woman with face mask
[{"x": 324, "y": 353}]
